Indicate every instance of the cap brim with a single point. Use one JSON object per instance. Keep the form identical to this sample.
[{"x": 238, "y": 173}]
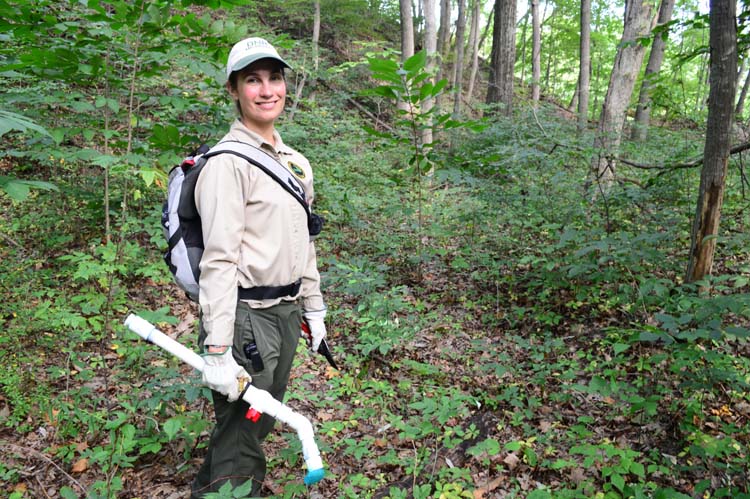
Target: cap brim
[{"x": 246, "y": 61}]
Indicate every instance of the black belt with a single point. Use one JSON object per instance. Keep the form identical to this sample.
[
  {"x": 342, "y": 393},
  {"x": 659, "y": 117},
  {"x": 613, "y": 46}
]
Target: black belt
[{"x": 269, "y": 292}]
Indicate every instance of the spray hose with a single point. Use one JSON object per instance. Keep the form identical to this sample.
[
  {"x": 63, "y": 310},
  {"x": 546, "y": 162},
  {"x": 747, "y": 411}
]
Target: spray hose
[{"x": 260, "y": 401}]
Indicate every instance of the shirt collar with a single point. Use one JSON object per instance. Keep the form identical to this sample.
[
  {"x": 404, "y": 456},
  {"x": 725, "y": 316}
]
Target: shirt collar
[{"x": 258, "y": 141}]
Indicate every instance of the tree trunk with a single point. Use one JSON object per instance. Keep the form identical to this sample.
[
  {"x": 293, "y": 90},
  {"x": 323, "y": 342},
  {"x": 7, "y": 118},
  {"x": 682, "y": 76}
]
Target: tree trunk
[
  {"x": 500, "y": 86},
  {"x": 723, "y": 67},
  {"x": 443, "y": 44},
  {"x": 430, "y": 45},
  {"x": 522, "y": 56},
  {"x": 474, "y": 44},
  {"x": 486, "y": 30},
  {"x": 655, "y": 58},
  {"x": 407, "y": 30},
  {"x": 584, "y": 72},
  {"x": 301, "y": 85},
  {"x": 743, "y": 95},
  {"x": 536, "y": 51},
  {"x": 621, "y": 83},
  {"x": 458, "y": 68},
  {"x": 407, "y": 39},
  {"x": 316, "y": 35}
]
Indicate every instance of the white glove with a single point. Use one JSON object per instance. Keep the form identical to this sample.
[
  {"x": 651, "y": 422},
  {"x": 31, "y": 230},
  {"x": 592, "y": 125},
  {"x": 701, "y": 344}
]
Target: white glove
[
  {"x": 317, "y": 327},
  {"x": 223, "y": 374}
]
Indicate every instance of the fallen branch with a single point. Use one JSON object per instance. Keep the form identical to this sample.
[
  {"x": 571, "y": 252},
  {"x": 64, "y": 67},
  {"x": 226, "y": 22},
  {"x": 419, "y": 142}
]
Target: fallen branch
[
  {"x": 690, "y": 164},
  {"x": 362, "y": 109},
  {"x": 26, "y": 450}
]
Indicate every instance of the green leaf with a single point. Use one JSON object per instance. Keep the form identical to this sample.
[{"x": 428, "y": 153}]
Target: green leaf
[
  {"x": 416, "y": 62},
  {"x": 160, "y": 316},
  {"x": 439, "y": 86},
  {"x": 12, "y": 121},
  {"x": 382, "y": 65},
  {"x": 619, "y": 348},
  {"x": 243, "y": 490},
  {"x": 513, "y": 446},
  {"x": 152, "y": 448},
  {"x": 670, "y": 494},
  {"x": 148, "y": 176},
  {"x": 68, "y": 493},
  {"x": 737, "y": 332},
  {"x": 638, "y": 470},
  {"x": 18, "y": 190},
  {"x": 426, "y": 90},
  {"x": 172, "y": 426},
  {"x": 539, "y": 494},
  {"x": 58, "y": 135},
  {"x": 386, "y": 91},
  {"x": 618, "y": 481}
]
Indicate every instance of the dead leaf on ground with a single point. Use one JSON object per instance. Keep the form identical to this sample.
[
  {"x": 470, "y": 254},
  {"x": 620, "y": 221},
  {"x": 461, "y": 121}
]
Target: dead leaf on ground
[
  {"x": 480, "y": 492},
  {"x": 511, "y": 460},
  {"x": 80, "y": 466}
]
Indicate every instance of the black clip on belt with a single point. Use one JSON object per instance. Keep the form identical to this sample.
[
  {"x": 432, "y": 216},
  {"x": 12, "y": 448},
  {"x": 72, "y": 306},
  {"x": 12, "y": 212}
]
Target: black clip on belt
[{"x": 269, "y": 292}]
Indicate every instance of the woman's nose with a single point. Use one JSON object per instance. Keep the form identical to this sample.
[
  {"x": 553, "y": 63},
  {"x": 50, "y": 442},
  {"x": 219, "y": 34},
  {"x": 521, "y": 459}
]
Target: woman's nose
[{"x": 265, "y": 87}]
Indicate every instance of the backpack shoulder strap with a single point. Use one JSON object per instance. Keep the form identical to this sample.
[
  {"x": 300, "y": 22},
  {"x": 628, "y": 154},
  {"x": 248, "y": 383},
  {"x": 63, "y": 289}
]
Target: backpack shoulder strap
[{"x": 266, "y": 163}]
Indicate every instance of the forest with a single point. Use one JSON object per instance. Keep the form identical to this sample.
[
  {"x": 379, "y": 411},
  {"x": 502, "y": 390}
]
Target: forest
[{"x": 536, "y": 255}]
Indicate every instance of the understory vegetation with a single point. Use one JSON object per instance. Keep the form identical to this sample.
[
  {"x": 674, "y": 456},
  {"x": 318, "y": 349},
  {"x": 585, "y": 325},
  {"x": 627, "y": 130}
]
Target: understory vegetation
[{"x": 500, "y": 331}]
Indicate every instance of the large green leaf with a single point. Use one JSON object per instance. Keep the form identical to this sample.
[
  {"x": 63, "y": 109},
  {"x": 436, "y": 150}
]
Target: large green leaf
[
  {"x": 12, "y": 121},
  {"x": 18, "y": 190}
]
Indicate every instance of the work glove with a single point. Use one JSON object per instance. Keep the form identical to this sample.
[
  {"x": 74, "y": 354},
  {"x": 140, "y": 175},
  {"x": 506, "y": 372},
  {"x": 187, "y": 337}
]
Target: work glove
[
  {"x": 315, "y": 321},
  {"x": 223, "y": 374}
]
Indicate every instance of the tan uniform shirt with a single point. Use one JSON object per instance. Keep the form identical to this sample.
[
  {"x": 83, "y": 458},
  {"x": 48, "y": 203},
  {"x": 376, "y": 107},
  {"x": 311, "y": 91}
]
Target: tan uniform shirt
[{"x": 255, "y": 234}]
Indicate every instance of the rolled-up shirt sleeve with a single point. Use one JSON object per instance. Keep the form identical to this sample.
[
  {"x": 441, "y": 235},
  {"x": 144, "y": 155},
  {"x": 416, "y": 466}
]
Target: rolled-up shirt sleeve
[{"x": 220, "y": 201}]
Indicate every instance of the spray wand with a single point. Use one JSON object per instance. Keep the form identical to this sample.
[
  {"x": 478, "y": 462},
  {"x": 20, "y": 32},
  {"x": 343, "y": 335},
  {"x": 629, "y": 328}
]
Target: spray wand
[{"x": 260, "y": 401}]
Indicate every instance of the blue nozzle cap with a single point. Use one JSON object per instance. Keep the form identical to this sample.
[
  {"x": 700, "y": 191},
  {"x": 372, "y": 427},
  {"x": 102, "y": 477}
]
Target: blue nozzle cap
[{"x": 314, "y": 476}]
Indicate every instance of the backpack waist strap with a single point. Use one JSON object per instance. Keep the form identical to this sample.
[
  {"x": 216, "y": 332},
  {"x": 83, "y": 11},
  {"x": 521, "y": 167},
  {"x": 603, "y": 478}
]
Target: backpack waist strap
[{"x": 269, "y": 292}]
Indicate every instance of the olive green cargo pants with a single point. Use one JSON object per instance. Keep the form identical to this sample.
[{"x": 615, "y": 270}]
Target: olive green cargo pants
[{"x": 234, "y": 450}]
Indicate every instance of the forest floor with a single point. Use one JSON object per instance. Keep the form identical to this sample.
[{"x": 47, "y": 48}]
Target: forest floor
[{"x": 536, "y": 382}]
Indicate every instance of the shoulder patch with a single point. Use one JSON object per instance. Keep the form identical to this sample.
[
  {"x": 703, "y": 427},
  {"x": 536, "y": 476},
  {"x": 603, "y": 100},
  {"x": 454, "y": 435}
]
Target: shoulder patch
[{"x": 296, "y": 169}]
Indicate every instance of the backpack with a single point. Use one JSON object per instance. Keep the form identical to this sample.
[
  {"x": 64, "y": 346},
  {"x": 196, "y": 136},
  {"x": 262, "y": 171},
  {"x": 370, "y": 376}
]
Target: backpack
[{"x": 181, "y": 221}]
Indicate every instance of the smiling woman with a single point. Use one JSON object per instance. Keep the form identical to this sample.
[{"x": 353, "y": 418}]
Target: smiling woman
[
  {"x": 258, "y": 272},
  {"x": 256, "y": 83},
  {"x": 260, "y": 93}
]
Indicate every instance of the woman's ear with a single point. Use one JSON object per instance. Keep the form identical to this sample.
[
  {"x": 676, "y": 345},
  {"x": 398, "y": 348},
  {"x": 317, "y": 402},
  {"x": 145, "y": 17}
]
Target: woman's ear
[{"x": 232, "y": 91}]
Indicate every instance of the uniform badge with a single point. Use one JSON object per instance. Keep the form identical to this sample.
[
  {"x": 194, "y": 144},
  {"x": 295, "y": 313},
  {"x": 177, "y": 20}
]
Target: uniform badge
[{"x": 297, "y": 170}]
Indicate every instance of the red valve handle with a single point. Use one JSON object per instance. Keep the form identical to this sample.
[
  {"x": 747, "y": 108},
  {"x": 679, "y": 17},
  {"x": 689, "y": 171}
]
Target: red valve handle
[{"x": 253, "y": 415}]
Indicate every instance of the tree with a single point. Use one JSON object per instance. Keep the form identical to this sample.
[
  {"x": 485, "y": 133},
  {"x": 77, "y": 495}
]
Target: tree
[
  {"x": 430, "y": 46},
  {"x": 622, "y": 80},
  {"x": 723, "y": 68},
  {"x": 316, "y": 62},
  {"x": 407, "y": 39},
  {"x": 458, "y": 68},
  {"x": 536, "y": 52},
  {"x": 584, "y": 72},
  {"x": 476, "y": 14},
  {"x": 743, "y": 95},
  {"x": 443, "y": 42},
  {"x": 500, "y": 86},
  {"x": 655, "y": 58},
  {"x": 407, "y": 30}
]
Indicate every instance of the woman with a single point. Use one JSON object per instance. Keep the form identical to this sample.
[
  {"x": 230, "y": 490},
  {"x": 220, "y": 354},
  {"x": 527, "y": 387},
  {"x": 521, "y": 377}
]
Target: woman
[{"x": 259, "y": 274}]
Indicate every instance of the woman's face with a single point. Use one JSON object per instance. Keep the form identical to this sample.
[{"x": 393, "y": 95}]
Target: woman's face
[{"x": 261, "y": 93}]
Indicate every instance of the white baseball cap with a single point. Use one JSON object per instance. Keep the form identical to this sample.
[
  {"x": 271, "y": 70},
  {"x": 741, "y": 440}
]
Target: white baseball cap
[{"x": 250, "y": 50}]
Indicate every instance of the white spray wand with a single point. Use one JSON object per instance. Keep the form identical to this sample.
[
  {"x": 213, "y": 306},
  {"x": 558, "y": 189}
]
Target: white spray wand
[{"x": 260, "y": 401}]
